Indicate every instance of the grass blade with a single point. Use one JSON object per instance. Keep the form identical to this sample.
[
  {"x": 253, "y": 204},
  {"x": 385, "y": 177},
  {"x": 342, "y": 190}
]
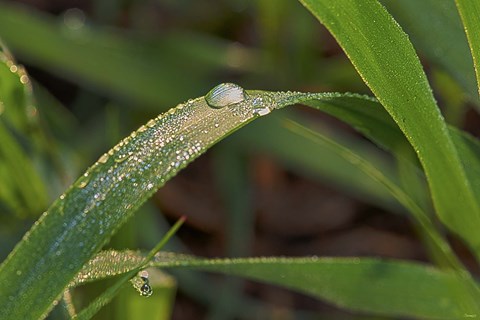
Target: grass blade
[
  {"x": 447, "y": 47},
  {"x": 111, "y": 292},
  {"x": 470, "y": 13},
  {"x": 382, "y": 287},
  {"x": 386, "y": 60},
  {"x": 80, "y": 222}
]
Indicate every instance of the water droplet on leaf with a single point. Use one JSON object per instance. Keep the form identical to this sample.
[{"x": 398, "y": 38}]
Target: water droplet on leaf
[
  {"x": 263, "y": 105},
  {"x": 141, "y": 283},
  {"x": 225, "y": 94},
  {"x": 103, "y": 158},
  {"x": 146, "y": 290}
]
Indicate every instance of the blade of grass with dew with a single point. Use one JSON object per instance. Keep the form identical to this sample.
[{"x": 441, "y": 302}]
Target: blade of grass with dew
[
  {"x": 77, "y": 225},
  {"x": 386, "y": 60},
  {"x": 112, "y": 291},
  {"x": 373, "y": 171},
  {"x": 80, "y": 222},
  {"x": 390, "y": 288},
  {"x": 120, "y": 64},
  {"x": 447, "y": 47},
  {"x": 470, "y": 13}
]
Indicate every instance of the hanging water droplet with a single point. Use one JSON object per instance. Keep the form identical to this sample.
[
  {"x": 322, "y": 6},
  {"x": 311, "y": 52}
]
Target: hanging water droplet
[
  {"x": 103, "y": 158},
  {"x": 225, "y": 94},
  {"x": 141, "y": 283},
  {"x": 83, "y": 183},
  {"x": 146, "y": 290}
]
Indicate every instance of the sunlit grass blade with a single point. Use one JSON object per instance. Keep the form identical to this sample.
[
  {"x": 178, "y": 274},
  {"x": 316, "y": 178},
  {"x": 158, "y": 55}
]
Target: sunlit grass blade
[
  {"x": 470, "y": 13},
  {"x": 87, "y": 214},
  {"x": 447, "y": 47},
  {"x": 391, "y": 288},
  {"x": 387, "y": 62}
]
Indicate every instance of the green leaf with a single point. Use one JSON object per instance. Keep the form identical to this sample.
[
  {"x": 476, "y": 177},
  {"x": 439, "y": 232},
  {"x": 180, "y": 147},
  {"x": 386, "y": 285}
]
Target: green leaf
[
  {"x": 447, "y": 47},
  {"x": 391, "y": 288},
  {"x": 470, "y": 13},
  {"x": 80, "y": 222},
  {"x": 386, "y": 60}
]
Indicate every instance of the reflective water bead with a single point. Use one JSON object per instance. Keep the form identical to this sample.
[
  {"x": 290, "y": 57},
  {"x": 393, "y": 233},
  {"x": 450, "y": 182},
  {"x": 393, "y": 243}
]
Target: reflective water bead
[
  {"x": 146, "y": 290},
  {"x": 225, "y": 94}
]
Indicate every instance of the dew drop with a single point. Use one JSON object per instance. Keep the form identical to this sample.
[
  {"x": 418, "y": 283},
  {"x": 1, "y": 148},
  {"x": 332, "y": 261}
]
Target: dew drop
[
  {"x": 103, "y": 158},
  {"x": 24, "y": 79},
  {"x": 83, "y": 183},
  {"x": 263, "y": 105},
  {"x": 142, "y": 284},
  {"x": 225, "y": 94},
  {"x": 146, "y": 290}
]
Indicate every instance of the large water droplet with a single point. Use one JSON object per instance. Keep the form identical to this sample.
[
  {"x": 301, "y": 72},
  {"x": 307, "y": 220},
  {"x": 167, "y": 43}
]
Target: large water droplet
[{"x": 225, "y": 94}]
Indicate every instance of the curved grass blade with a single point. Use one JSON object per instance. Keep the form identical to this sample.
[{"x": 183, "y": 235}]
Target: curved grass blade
[
  {"x": 382, "y": 287},
  {"x": 80, "y": 222},
  {"x": 386, "y": 60},
  {"x": 470, "y": 13},
  {"x": 447, "y": 47}
]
